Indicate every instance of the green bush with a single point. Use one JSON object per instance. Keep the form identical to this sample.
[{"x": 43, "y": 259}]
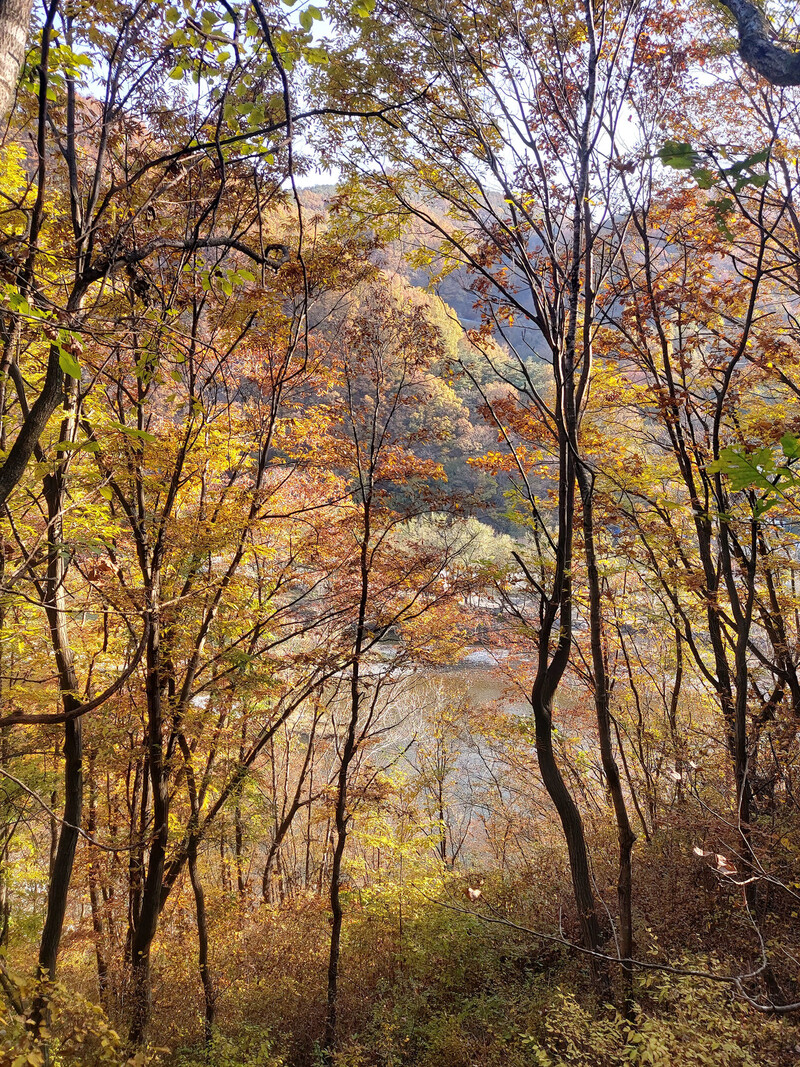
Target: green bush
[{"x": 250, "y": 1047}]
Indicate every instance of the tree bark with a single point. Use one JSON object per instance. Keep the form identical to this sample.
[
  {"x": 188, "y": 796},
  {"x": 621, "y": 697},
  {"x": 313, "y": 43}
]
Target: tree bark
[
  {"x": 625, "y": 834},
  {"x": 15, "y": 17},
  {"x": 341, "y": 822},
  {"x": 147, "y": 919},
  {"x": 209, "y": 993},
  {"x": 56, "y": 611},
  {"x": 65, "y": 855},
  {"x": 95, "y": 897},
  {"x": 757, "y": 48},
  {"x": 572, "y": 825},
  {"x": 341, "y": 814}
]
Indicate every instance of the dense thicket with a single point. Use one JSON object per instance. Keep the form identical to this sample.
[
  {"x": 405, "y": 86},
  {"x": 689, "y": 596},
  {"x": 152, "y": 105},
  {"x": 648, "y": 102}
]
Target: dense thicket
[{"x": 400, "y": 620}]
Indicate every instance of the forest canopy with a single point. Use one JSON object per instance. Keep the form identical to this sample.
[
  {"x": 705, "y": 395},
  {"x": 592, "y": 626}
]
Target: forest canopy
[{"x": 399, "y": 533}]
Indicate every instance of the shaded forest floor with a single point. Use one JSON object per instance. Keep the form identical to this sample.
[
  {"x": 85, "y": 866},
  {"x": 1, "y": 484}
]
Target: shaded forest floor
[{"x": 432, "y": 978}]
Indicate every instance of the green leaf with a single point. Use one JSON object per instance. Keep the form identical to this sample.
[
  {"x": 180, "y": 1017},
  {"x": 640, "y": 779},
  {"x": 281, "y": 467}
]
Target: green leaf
[
  {"x": 140, "y": 435},
  {"x": 677, "y": 154},
  {"x": 68, "y": 363},
  {"x": 757, "y": 157},
  {"x": 316, "y": 56},
  {"x": 790, "y": 444},
  {"x": 704, "y": 177},
  {"x": 744, "y": 469},
  {"x": 17, "y": 302},
  {"x": 762, "y": 506},
  {"x": 77, "y": 446},
  {"x": 722, "y": 208}
]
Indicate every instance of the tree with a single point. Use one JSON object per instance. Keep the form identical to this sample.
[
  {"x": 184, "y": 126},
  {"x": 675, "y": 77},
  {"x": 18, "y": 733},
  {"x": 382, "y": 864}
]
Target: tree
[
  {"x": 543, "y": 134},
  {"x": 14, "y": 20},
  {"x": 757, "y": 45},
  {"x": 114, "y": 209},
  {"x": 381, "y": 363}
]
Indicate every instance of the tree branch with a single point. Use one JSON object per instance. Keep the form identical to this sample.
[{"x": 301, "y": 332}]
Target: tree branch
[{"x": 757, "y": 48}]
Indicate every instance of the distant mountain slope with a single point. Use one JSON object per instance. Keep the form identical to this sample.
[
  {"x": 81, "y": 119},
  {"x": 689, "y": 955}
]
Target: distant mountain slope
[{"x": 455, "y": 288}]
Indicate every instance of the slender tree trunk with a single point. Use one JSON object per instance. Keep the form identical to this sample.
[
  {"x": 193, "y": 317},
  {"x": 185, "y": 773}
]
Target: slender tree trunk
[
  {"x": 204, "y": 966},
  {"x": 147, "y": 919},
  {"x": 209, "y": 993},
  {"x": 341, "y": 814},
  {"x": 341, "y": 821},
  {"x": 63, "y": 861},
  {"x": 571, "y": 386},
  {"x": 237, "y": 822},
  {"x": 550, "y": 670},
  {"x": 625, "y": 834},
  {"x": 95, "y": 897},
  {"x": 672, "y": 715},
  {"x": 287, "y": 820},
  {"x": 140, "y": 803},
  {"x": 238, "y": 841},
  {"x": 61, "y": 876},
  {"x": 223, "y": 864},
  {"x": 442, "y": 823},
  {"x": 572, "y": 825},
  {"x": 307, "y": 873},
  {"x": 54, "y": 825},
  {"x": 5, "y": 901}
]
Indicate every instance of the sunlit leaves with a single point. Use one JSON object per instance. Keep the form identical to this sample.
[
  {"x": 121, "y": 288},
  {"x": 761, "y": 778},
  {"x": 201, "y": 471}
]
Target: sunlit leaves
[
  {"x": 777, "y": 478},
  {"x": 727, "y": 180},
  {"x": 67, "y": 360},
  {"x": 363, "y": 8}
]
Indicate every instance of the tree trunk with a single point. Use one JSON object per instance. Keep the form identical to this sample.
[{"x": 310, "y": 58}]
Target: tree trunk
[
  {"x": 238, "y": 840},
  {"x": 56, "y": 611},
  {"x": 147, "y": 919},
  {"x": 625, "y": 834},
  {"x": 15, "y": 17},
  {"x": 757, "y": 48},
  {"x": 572, "y": 825},
  {"x": 209, "y": 993},
  {"x": 62, "y": 867},
  {"x": 95, "y": 897},
  {"x": 341, "y": 815},
  {"x": 342, "y": 820},
  {"x": 241, "y": 884}
]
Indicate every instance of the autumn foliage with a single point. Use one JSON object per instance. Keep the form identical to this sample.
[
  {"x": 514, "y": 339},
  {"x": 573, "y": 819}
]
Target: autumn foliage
[{"x": 399, "y": 603}]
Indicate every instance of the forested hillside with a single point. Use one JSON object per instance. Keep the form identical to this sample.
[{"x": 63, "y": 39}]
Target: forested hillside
[{"x": 399, "y": 577}]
